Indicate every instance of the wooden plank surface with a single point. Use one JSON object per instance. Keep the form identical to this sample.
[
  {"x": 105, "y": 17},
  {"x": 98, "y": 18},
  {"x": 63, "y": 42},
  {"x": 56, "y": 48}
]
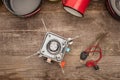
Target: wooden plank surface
[{"x": 22, "y": 37}]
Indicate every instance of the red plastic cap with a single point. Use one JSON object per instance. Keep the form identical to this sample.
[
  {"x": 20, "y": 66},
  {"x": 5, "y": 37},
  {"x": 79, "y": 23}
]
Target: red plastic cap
[
  {"x": 90, "y": 63},
  {"x": 62, "y": 64}
]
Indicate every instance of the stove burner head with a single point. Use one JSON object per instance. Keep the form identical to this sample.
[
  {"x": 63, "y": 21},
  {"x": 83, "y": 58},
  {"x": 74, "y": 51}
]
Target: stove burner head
[{"x": 53, "y": 47}]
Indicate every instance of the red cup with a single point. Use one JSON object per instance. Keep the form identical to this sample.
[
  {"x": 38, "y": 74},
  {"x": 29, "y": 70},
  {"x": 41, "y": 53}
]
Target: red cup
[{"x": 76, "y": 7}]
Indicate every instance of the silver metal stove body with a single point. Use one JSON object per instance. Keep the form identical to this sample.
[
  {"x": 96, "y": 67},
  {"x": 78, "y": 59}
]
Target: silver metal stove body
[{"x": 54, "y": 47}]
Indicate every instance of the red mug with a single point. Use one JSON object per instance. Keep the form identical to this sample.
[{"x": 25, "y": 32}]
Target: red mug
[{"x": 76, "y": 7}]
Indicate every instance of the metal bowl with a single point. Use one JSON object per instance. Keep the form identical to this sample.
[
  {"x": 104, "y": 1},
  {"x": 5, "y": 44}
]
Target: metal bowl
[
  {"x": 23, "y": 8},
  {"x": 113, "y": 7}
]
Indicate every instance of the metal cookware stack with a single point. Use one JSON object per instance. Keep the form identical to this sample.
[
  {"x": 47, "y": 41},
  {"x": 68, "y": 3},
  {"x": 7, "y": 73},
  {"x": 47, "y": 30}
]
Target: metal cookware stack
[
  {"x": 27, "y": 8},
  {"x": 113, "y": 7},
  {"x": 23, "y": 8}
]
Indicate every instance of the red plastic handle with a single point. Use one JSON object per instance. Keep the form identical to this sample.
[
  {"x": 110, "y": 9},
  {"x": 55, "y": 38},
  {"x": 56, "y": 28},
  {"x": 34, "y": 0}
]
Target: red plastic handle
[{"x": 99, "y": 51}]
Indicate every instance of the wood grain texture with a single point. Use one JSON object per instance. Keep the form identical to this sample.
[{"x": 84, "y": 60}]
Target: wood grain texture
[{"x": 22, "y": 37}]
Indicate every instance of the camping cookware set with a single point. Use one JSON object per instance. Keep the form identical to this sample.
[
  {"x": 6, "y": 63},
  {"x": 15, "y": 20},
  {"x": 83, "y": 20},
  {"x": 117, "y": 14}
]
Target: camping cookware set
[
  {"x": 27, "y": 8},
  {"x": 55, "y": 46}
]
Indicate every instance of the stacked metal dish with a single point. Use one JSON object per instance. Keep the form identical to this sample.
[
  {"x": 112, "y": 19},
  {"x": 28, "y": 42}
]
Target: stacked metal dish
[
  {"x": 113, "y": 7},
  {"x": 23, "y": 8}
]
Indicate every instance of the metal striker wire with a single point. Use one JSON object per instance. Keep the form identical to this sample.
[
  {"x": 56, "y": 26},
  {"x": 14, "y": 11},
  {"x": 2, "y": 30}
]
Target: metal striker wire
[{"x": 45, "y": 27}]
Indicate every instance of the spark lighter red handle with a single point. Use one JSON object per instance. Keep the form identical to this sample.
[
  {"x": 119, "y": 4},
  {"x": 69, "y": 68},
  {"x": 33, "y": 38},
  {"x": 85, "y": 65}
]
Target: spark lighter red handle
[{"x": 99, "y": 50}]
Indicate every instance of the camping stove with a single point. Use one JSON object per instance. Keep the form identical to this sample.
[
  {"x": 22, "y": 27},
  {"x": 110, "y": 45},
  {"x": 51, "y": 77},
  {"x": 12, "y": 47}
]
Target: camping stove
[{"x": 54, "y": 47}]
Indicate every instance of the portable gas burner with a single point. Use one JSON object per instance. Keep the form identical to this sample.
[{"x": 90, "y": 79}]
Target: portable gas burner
[{"x": 54, "y": 47}]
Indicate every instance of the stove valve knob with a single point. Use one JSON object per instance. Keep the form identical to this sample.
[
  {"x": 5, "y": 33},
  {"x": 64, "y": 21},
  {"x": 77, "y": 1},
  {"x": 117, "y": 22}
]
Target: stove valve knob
[{"x": 67, "y": 50}]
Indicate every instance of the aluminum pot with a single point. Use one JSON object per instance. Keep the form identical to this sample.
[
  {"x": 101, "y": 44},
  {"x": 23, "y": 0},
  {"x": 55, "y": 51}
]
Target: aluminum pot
[
  {"x": 113, "y": 7},
  {"x": 23, "y": 8}
]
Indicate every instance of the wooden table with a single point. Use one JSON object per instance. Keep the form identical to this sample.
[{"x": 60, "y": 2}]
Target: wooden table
[{"x": 22, "y": 37}]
